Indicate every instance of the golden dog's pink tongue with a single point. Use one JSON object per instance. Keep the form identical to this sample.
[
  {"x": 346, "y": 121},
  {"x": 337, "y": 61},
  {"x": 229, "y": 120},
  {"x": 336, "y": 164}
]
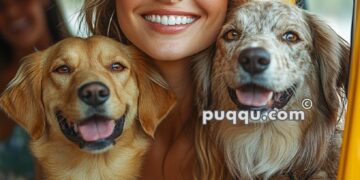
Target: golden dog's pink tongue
[
  {"x": 93, "y": 130},
  {"x": 254, "y": 97}
]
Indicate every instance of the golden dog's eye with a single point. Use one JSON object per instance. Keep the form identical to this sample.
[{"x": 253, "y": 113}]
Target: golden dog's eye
[
  {"x": 64, "y": 69},
  {"x": 231, "y": 35},
  {"x": 117, "y": 67},
  {"x": 290, "y": 37}
]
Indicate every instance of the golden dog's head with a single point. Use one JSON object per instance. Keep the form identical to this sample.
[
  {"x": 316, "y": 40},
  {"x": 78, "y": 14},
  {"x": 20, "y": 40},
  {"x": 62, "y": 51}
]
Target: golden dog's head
[{"x": 87, "y": 92}]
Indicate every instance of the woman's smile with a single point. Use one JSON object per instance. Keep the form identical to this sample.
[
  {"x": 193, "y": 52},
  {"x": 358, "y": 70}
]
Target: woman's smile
[
  {"x": 170, "y": 31},
  {"x": 169, "y": 22}
]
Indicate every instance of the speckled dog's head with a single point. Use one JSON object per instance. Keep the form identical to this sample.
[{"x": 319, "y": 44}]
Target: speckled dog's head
[
  {"x": 268, "y": 50},
  {"x": 272, "y": 55}
]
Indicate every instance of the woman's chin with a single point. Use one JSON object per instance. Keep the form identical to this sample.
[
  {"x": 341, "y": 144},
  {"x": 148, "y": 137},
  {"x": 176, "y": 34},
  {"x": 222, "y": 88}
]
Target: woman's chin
[{"x": 168, "y": 54}]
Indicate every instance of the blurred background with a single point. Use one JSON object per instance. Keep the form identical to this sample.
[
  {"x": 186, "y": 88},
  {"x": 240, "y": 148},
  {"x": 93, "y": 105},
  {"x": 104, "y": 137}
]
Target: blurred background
[
  {"x": 63, "y": 19},
  {"x": 71, "y": 11},
  {"x": 337, "y": 13}
]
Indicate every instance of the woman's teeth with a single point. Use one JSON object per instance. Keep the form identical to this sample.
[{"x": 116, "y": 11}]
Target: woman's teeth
[{"x": 170, "y": 19}]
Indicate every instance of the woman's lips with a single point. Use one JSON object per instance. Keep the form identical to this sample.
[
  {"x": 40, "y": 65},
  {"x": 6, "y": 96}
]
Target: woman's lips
[
  {"x": 169, "y": 22},
  {"x": 167, "y": 29}
]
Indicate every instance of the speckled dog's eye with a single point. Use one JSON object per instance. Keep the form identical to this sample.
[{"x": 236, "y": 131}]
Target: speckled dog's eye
[
  {"x": 232, "y": 35},
  {"x": 291, "y": 37},
  {"x": 63, "y": 69},
  {"x": 117, "y": 67}
]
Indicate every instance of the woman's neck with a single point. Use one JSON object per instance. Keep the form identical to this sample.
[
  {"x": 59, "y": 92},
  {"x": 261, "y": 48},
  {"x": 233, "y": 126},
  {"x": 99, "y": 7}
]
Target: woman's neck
[{"x": 178, "y": 75}]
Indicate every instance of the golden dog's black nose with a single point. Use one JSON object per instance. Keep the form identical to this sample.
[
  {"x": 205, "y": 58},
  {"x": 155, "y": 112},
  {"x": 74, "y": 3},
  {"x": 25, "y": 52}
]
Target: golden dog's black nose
[
  {"x": 254, "y": 60},
  {"x": 94, "y": 93}
]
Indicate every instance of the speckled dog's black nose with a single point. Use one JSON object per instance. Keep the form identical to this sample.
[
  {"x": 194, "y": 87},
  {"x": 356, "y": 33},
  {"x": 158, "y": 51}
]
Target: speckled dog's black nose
[{"x": 254, "y": 60}]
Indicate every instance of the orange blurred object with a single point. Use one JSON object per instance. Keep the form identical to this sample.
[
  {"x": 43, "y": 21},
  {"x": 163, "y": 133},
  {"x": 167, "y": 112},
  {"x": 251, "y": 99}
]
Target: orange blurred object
[{"x": 349, "y": 168}]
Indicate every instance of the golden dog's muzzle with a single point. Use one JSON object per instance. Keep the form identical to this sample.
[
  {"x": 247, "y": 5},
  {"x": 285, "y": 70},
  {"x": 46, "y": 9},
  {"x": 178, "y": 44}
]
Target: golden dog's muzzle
[{"x": 97, "y": 131}]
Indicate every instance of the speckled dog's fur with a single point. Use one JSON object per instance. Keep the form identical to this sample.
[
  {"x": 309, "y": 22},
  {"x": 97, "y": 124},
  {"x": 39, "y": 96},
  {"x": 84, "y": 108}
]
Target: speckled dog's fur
[{"x": 317, "y": 64}]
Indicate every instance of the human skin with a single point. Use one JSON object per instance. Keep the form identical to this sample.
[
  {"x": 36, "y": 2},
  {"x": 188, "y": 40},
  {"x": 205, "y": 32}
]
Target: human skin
[
  {"x": 172, "y": 153},
  {"x": 23, "y": 27}
]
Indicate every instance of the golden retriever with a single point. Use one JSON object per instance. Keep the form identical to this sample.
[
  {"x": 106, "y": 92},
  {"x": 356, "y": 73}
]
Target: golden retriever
[
  {"x": 91, "y": 107},
  {"x": 270, "y": 57}
]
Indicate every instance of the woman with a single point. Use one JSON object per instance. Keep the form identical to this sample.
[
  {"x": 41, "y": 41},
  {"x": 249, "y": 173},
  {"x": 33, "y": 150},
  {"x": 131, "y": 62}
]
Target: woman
[
  {"x": 25, "y": 25},
  {"x": 171, "y": 32}
]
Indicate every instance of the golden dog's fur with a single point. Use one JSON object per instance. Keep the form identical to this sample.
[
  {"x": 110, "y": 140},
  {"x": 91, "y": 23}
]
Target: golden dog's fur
[
  {"x": 317, "y": 64},
  {"x": 38, "y": 91}
]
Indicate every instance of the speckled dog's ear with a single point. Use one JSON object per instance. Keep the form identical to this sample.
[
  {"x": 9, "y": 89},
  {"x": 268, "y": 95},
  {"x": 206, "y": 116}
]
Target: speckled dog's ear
[
  {"x": 332, "y": 54},
  {"x": 22, "y": 98}
]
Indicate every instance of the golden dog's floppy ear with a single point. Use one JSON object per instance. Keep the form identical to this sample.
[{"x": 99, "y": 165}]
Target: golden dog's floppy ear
[
  {"x": 22, "y": 98},
  {"x": 155, "y": 99},
  {"x": 332, "y": 54}
]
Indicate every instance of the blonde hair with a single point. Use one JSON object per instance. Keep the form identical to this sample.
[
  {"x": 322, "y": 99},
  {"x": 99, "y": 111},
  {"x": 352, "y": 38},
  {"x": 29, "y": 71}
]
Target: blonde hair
[{"x": 100, "y": 18}]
